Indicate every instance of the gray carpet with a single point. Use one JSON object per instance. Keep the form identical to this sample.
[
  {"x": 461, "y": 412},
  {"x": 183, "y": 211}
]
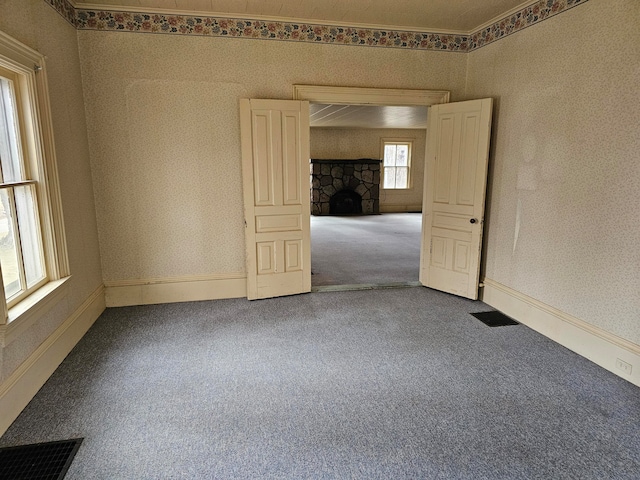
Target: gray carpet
[
  {"x": 384, "y": 384},
  {"x": 367, "y": 249}
]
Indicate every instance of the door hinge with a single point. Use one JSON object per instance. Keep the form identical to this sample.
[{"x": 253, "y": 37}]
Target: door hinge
[{"x": 430, "y": 246}]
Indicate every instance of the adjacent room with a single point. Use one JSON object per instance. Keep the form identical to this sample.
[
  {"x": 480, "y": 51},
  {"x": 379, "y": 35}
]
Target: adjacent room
[
  {"x": 377, "y": 154},
  {"x": 165, "y": 208}
]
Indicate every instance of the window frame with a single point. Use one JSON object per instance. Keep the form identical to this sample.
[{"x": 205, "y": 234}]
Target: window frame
[
  {"x": 26, "y": 154},
  {"x": 36, "y": 132},
  {"x": 397, "y": 141}
]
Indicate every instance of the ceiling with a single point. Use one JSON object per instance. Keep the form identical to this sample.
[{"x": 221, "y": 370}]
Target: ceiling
[
  {"x": 441, "y": 16},
  {"x": 367, "y": 116}
]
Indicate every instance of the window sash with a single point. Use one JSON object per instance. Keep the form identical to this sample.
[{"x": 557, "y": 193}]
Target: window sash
[
  {"x": 396, "y": 171},
  {"x": 12, "y": 128}
]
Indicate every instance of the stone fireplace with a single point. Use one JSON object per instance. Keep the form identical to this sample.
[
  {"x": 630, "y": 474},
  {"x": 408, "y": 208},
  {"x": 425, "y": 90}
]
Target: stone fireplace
[{"x": 345, "y": 187}]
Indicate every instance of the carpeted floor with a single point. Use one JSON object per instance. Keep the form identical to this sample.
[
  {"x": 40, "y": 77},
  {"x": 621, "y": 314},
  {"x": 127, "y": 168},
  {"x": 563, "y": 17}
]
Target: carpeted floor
[
  {"x": 366, "y": 249},
  {"x": 382, "y": 384}
]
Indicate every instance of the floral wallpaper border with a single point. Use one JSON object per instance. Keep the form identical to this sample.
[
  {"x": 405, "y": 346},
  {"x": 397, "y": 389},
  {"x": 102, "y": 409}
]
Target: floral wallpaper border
[
  {"x": 530, "y": 15},
  {"x": 247, "y": 28},
  {"x": 85, "y": 19}
]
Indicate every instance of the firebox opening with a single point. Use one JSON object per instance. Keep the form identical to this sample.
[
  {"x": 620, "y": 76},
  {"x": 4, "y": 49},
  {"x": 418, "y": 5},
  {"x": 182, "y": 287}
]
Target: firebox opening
[{"x": 345, "y": 202}]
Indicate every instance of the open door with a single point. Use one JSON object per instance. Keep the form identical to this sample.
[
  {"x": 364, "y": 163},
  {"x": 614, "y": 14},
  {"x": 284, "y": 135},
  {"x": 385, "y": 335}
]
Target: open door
[
  {"x": 275, "y": 171},
  {"x": 453, "y": 207}
]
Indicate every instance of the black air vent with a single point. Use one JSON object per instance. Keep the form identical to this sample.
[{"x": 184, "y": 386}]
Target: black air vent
[
  {"x": 495, "y": 319},
  {"x": 40, "y": 461}
]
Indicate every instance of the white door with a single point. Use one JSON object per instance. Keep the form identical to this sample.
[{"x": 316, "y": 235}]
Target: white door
[
  {"x": 453, "y": 207},
  {"x": 275, "y": 171}
]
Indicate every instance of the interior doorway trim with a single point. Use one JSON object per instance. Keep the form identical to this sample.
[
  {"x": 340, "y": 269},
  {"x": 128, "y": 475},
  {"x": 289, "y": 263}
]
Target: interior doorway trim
[{"x": 368, "y": 96}]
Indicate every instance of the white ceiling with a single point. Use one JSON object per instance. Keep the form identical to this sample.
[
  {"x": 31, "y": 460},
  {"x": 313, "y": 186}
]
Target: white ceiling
[
  {"x": 367, "y": 116},
  {"x": 460, "y": 16}
]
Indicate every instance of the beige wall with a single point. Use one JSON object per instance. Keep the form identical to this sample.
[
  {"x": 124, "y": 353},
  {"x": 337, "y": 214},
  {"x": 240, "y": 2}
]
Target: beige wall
[
  {"x": 37, "y": 25},
  {"x": 339, "y": 143},
  {"x": 563, "y": 217},
  {"x": 165, "y": 142}
]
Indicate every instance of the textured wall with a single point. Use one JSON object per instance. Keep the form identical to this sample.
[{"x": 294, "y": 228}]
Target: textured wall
[
  {"x": 165, "y": 141},
  {"x": 339, "y": 143},
  {"x": 563, "y": 216},
  {"x": 37, "y": 25}
]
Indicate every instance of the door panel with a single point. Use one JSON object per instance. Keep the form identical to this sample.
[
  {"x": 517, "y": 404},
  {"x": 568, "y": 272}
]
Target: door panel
[
  {"x": 439, "y": 252},
  {"x": 275, "y": 150},
  {"x": 443, "y": 165},
  {"x": 263, "y": 161},
  {"x": 468, "y": 160},
  {"x": 461, "y": 256},
  {"x": 453, "y": 207},
  {"x": 293, "y": 255},
  {"x": 291, "y": 160},
  {"x": 266, "y": 257},
  {"x": 277, "y": 223}
]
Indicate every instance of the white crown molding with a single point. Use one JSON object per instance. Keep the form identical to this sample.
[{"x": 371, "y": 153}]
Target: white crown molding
[
  {"x": 502, "y": 16},
  {"x": 266, "y": 18}
]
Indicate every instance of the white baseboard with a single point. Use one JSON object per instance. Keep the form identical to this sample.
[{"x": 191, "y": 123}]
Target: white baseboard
[
  {"x": 175, "y": 289},
  {"x": 21, "y": 386},
  {"x": 596, "y": 344},
  {"x": 400, "y": 208}
]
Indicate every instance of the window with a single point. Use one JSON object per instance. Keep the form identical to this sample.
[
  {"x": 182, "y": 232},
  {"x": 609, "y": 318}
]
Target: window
[
  {"x": 21, "y": 253},
  {"x": 396, "y": 164},
  {"x": 32, "y": 247}
]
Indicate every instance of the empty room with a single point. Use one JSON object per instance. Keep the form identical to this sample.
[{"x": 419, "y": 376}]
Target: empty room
[{"x": 184, "y": 184}]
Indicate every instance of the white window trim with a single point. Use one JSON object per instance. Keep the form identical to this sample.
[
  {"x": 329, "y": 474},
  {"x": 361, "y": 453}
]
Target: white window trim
[
  {"x": 31, "y": 65},
  {"x": 407, "y": 140}
]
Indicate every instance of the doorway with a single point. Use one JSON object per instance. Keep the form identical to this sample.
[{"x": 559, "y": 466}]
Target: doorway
[
  {"x": 351, "y": 123},
  {"x": 275, "y": 168}
]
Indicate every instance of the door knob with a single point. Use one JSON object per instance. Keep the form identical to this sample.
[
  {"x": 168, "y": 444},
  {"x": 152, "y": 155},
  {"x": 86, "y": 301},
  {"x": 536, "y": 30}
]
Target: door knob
[{"x": 473, "y": 220}]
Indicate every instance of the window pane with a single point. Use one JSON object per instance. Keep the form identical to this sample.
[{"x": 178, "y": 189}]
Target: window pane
[
  {"x": 29, "y": 234},
  {"x": 402, "y": 156},
  {"x": 10, "y": 152},
  {"x": 8, "y": 251},
  {"x": 401, "y": 177},
  {"x": 389, "y": 155},
  {"x": 389, "y": 177}
]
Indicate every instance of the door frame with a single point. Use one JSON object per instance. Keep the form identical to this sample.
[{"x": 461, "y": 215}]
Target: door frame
[
  {"x": 369, "y": 96},
  {"x": 373, "y": 96}
]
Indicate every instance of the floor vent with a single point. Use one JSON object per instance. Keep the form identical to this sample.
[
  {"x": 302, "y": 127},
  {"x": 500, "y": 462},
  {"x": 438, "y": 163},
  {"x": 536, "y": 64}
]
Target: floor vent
[
  {"x": 495, "y": 319},
  {"x": 40, "y": 461}
]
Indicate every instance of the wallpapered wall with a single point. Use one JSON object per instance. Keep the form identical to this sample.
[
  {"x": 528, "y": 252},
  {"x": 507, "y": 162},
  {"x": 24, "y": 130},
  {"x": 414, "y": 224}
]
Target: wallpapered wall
[
  {"x": 563, "y": 217},
  {"x": 165, "y": 141},
  {"x": 35, "y": 24},
  {"x": 352, "y": 143}
]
